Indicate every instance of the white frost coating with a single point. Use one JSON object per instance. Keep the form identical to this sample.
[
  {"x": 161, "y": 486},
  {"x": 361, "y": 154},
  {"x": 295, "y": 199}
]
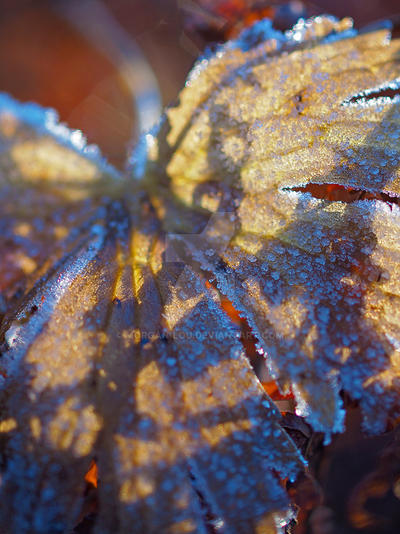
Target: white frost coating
[
  {"x": 198, "y": 68},
  {"x": 46, "y": 121},
  {"x": 361, "y": 99},
  {"x": 304, "y": 410},
  {"x": 373, "y": 102},
  {"x": 53, "y": 294},
  {"x": 282, "y": 519},
  {"x": 308, "y": 29},
  {"x": 394, "y": 84},
  {"x": 260, "y": 32},
  {"x": 263, "y": 30},
  {"x": 139, "y": 157}
]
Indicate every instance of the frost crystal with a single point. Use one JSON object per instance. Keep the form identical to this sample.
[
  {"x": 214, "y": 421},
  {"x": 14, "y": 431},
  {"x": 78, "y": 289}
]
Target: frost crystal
[
  {"x": 316, "y": 278},
  {"x": 116, "y": 352},
  {"x": 117, "y": 347}
]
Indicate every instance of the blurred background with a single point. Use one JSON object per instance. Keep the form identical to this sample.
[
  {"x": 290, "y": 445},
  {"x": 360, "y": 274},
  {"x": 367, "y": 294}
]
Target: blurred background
[{"x": 108, "y": 65}]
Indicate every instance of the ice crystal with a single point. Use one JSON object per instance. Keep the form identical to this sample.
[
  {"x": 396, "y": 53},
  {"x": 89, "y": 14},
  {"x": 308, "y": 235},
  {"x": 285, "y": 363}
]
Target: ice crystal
[
  {"x": 316, "y": 278},
  {"x": 113, "y": 341},
  {"x": 117, "y": 353}
]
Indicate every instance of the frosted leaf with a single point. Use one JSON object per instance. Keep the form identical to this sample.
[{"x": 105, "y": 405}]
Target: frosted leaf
[
  {"x": 277, "y": 175},
  {"x": 128, "y": 358},
  {"x": 251, "y": 134},
  {"x": 50, "y": 182}
]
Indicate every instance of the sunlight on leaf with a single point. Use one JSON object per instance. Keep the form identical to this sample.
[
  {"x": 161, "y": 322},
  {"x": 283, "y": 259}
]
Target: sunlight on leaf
[
  {"x": 120, "y": 352},
  {"x": 50, "y": 183},
  {"x": 274, "y": 181},
  {"x": 316, "y": 278}
]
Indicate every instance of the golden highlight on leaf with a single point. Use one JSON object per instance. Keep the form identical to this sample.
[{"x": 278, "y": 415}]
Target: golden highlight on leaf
[
  {"x": 113, "y": 342},
  {"x": 315, "y": 276}
]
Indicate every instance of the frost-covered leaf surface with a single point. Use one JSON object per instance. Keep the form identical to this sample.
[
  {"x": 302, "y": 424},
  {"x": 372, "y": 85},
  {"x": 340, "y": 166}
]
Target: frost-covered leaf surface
[
  {"x": 113, "y": 343},
  {"x": 50, "y": 183},
  {"x": 317, "y": 280},
  {"x": 120, "y": 352}
]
